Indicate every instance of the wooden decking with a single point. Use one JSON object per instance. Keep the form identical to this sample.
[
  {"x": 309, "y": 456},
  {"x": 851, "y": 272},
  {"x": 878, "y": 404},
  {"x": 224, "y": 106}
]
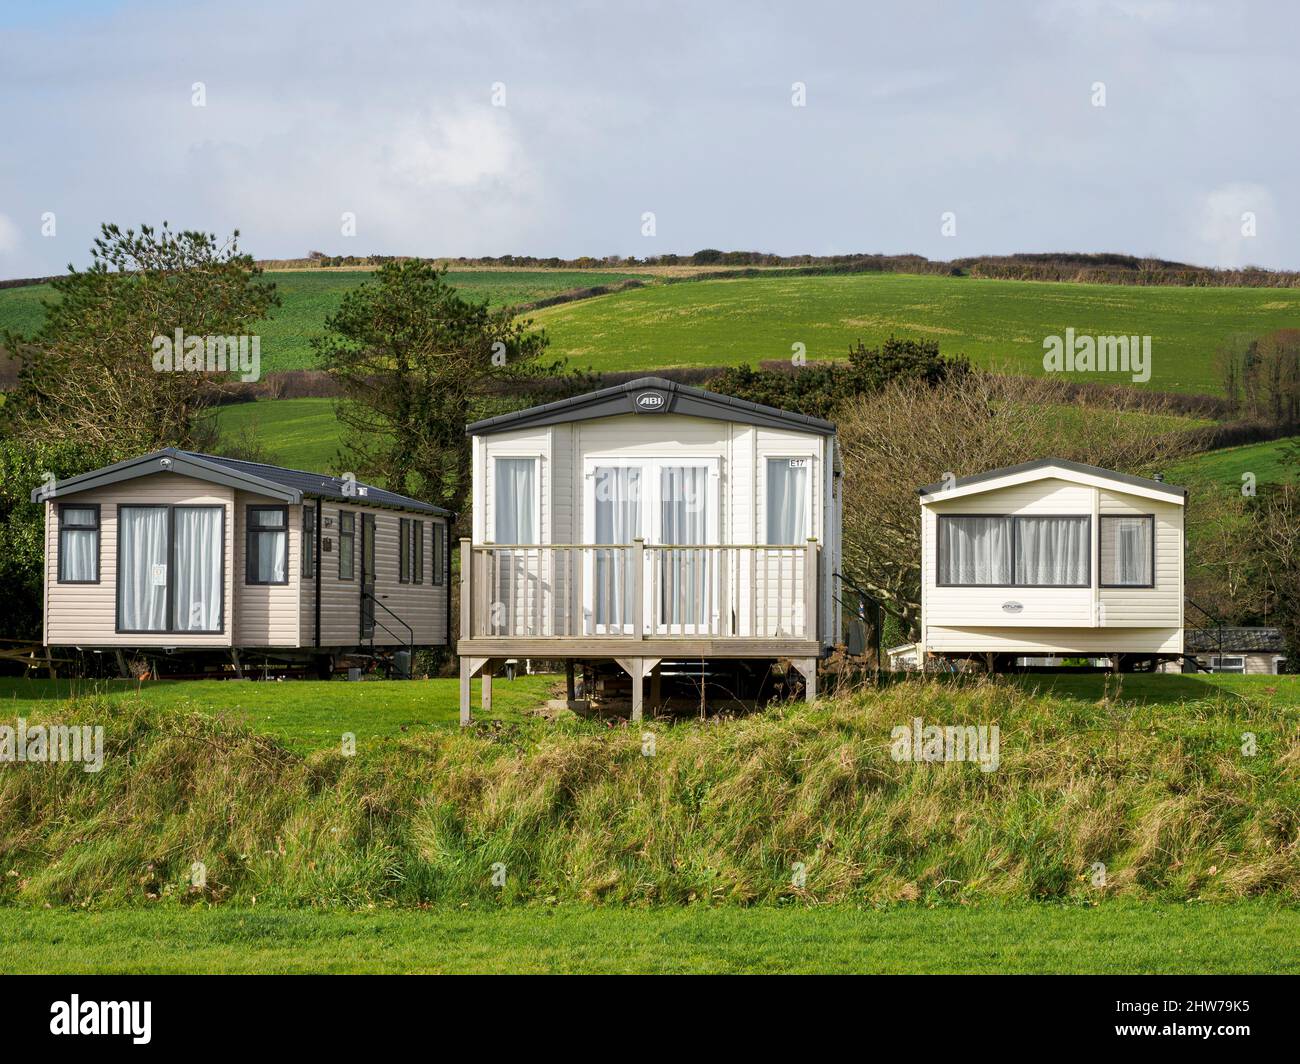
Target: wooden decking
[{"x": 637, "y": 605}]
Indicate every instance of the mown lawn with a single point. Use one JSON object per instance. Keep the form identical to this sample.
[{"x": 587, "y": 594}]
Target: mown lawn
[
  {"x": 1000, "y": 324},
  {"x": 1162, "y": 689},
  {"x": 1112, "y": 938},
  {"x": 308, "y": 297},
  {"x": 303, "y": 714}
]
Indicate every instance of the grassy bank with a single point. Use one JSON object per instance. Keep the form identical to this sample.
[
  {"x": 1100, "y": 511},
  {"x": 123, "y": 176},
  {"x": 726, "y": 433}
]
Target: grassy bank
[
  {"x": 796, "y": 805},
  {"x": 1117, "y": 938}
]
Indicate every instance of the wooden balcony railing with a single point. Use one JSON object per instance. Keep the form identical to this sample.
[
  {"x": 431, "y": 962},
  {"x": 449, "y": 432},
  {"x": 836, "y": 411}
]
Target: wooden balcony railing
[{"x": 638, "y": 590}]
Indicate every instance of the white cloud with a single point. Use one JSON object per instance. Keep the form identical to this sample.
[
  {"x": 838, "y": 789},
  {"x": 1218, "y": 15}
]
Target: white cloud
[
  {"x": 10, "y": 238},
  {"x": 1222, "y": 222}
]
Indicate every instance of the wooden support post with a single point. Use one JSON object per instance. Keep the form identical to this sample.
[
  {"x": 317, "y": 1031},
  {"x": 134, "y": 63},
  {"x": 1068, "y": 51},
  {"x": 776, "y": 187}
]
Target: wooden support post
[
  {"x": 638, "y": 592},
  {"x": 637, "y": 669},
  {"x": 569, "y": 691},
  {"x": 808, "y": 668},
  {"x": 466, "y": 588},
  {"x": 810, "y": 601},
  {"x": 486, "y": 684},
  {"x": 466, "y": 674}
]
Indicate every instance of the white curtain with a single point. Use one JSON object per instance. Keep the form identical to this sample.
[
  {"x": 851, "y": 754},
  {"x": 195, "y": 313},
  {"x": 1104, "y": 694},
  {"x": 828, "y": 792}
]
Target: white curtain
[
  {"x": 1126, "y": 551},
  {"x": 974, "y": 550},
  {"x": 197, "y": 580},
  {"x": 683, "y": 498},
  {"x": 787, "y": 501},
  {"x": 271, "y": 547},
  {"x": 78, "y": 547},
  {"x": 514, "y": 496},
  {"x": 142, "y": 580},
  {"x": 617, "y": 492},
  {"x": 1052, "y": 551}
]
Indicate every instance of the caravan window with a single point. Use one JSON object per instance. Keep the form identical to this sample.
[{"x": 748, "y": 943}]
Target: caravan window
[
  {"x": 79, "y": 544},
  {"x": 268, "y": 545},
  {"x": 1002, "y": 551},
  {"x": 514, "y": 500},
  {"x": 1128, "y": 551},
  {"x": 170, "y": 568},
  {"x": 787, "y": 499}
]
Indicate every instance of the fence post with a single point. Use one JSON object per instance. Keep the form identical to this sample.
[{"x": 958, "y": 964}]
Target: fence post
[
  {"x": 638, "y": 589},
  {"x": 466, "y": 588},
  {"x": 810, "y": 604}
]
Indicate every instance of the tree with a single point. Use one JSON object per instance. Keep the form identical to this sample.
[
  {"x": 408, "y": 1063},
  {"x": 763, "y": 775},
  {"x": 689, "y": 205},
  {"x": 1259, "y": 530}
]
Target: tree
[
  {"x": 1262, "y": 375},
  {"x": 91, "y": 373},
  {"x": 912, "y": 433},
  {"x": 817, "y": 389},
  {"x": 1278, "y": 545},
  {"x": 415, "y": 362},
  {"x": 25, "y": 465}
]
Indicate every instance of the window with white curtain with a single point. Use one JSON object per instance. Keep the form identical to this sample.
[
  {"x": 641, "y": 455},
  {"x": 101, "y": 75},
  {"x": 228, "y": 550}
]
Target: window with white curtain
[
  {"x": 198, "y": 553},
  {"x": 143, "y": 546},
  {"x": 268, "y": 545},
  {"x": 514, "y": 499},
  {"x": 1002, "y": 551},
  {"x": 79, "y": 544},
  {"x": 1128, "y": 551},
  {"x": 1052, "y": 551},
  {"x": 787, "y": 500},
  {"x": 975, "y": 550},
  {"x": 617, "y": 519},
  {"x": 683, "y": 519},
  {"x": 171, "y": 568}
]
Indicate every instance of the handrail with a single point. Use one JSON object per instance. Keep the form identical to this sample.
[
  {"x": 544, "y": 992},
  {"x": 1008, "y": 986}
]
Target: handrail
[
  {"x": 639, "y": 590},
  {"x": 410, "y": 632}
]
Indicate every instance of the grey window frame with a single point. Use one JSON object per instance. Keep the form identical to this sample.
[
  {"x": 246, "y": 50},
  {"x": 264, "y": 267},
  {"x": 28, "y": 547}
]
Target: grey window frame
[
  {"x": 171, "y": 628},
  {"x": 1101, "y": 525},
  {"x": 439, "y": 548},
  {"x": 96, "y": 528},
  {"x": 417, "y": 551},
  {"x": 348, "y": 536},
  {"x": 1015, "y": 520},
  {"x": 251, "y": 531},
  {"x": 308, "y": 541}
]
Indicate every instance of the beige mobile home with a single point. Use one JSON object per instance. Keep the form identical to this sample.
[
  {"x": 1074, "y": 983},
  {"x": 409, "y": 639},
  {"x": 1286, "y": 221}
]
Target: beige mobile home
[
  {"x": 649, "y": 525},
  {"x": 183, "y": 552},
  {"x": 1052, "y": 558}
]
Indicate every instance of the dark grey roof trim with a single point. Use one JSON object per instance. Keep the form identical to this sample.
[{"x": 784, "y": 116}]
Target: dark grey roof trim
[
  {"x": 682, "y": 399},
  {"x": 1044, "y": 463},
  {"x": 288, "y": 485}
]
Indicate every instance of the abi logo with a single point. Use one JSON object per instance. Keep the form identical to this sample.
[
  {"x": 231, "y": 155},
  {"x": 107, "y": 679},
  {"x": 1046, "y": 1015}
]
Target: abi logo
[{"x": 651, "y": 402}]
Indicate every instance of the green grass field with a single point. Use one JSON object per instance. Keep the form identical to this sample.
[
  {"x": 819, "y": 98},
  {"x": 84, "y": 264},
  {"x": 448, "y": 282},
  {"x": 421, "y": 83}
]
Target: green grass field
[
  {"x": 998, "y": 323},
  {"x": 1258, "y": 938},
  {"x": 297, "y": 433},
  {"x": 1267, "y": 461},
  {"x": 305, "y": 715},
  {"x": 308, "y": 297}
]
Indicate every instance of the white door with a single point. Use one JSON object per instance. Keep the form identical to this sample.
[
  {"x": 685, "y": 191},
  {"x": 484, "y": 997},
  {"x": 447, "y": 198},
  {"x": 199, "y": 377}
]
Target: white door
[{"x": 669, "y": 502}]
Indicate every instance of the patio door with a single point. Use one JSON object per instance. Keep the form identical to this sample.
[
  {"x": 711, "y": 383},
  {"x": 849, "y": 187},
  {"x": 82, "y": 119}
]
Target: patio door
[{"x": 670, "y": 504}]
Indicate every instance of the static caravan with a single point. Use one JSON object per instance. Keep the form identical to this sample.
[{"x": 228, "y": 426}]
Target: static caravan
[
  {"x": 1052, "y": 558},
  {"x": 650, "y": 524},
  {"x": 184, "y": 552}
]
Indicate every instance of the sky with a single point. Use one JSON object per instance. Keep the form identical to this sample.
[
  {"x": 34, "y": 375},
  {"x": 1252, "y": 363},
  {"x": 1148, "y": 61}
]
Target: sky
[{"x": 472, "y": 127}]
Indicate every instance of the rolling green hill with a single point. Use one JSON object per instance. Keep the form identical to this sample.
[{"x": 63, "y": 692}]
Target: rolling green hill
[
  {"x": 309, "y": 296},
  {"x": 998, "y": 323},
  {"x": 1226, "y": 466}
]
